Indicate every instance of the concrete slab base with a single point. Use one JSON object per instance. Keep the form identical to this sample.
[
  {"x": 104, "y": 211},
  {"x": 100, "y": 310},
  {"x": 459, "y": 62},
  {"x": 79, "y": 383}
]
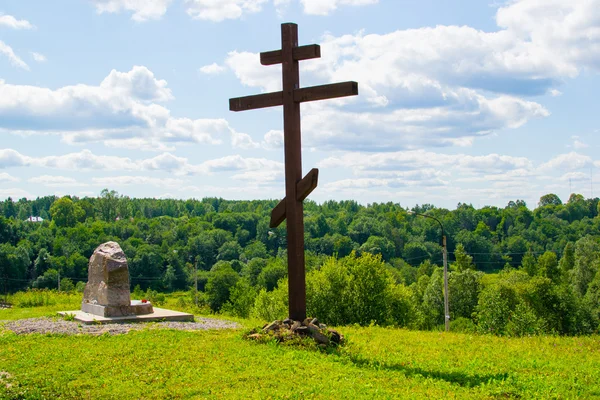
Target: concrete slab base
[{"x": 159, "y": 314}]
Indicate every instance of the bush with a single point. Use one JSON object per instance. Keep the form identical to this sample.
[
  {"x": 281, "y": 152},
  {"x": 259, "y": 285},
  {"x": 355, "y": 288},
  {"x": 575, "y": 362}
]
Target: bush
[
  {"x": 270, "y": 275},
  {"x": 463, "y": 325},
  {"x": 270, "y": 306},
  {"x": 494, "y": 308},
  {"x": 357, "y": 290},
  {"x": 401, "y": 306},
  {"x": 524, "y": 322},
  {"x": 44, "y": 297},
  {"x": 155, "y": 297},
  {"x": 241, "y": 299},
  {"x": 80, "y": 287},
  {"x": 49, "y": 280},
  {"x": 66, "y": 285},
  {"x": 219, "y": 285}
]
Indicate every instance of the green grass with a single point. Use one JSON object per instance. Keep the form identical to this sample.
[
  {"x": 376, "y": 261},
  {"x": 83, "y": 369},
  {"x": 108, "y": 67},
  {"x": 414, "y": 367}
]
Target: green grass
[{"x": 375, "y": 363}]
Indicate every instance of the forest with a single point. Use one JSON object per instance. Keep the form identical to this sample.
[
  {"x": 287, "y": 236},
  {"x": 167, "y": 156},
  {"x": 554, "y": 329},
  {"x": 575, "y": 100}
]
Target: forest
[{"x": 513, "y": 270}]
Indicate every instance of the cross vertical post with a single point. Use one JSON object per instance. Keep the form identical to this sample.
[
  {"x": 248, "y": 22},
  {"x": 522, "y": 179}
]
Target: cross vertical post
[
  {"x": 293, "y": 174},
  {"x": 296, "y": 187}
]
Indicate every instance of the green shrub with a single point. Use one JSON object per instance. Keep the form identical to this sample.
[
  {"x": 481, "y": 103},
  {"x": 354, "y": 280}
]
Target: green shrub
[
  {"x": 66, "y": 285},
  {"x": 219, "y": 285},
  {"x": 494, "y": 308},
  {"x": 357, "y": 290},
  {"x": 43, "y": 297},
  {"x": 241, "y": 299},
  {"x": 154, "y": 297},
  {"x": 80, "y": 287},
  {"x": 401, "y": 306},
  {"x": 270, "y": 306},
  {"x": 463, "y": 325},
  {"x": 524, "y": 322}
]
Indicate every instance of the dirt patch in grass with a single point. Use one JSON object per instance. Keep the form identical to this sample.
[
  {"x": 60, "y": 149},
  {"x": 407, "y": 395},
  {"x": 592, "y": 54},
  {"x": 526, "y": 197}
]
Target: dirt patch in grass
[{"x": 46, "y": 325}]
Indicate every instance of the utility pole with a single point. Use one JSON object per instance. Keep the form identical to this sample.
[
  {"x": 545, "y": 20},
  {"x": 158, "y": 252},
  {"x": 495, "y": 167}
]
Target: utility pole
[
  {"x": 196, "y": 281},
  {"x": 445, "y": 260},
  {"x": 446, "y": 306}
]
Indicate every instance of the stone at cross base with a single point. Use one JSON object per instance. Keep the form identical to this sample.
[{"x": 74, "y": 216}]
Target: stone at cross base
[{"x": 107, "y": 292}]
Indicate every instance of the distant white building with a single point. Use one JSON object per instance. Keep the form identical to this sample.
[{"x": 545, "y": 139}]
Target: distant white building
[{"x": 35, "y": 219}]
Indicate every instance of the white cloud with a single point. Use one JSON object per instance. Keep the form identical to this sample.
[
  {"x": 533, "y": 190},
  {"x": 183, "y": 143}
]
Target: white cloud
[
  {"x": 575, "y": 176},
  {"x": 258, "y": 170},
  {"x": 212, "y": 69},
  {"x": 402, "y": 161},
  {"x": 12, "y": 57},
  {"x": 216, "y": 10},
  {"x": 250, "y": 72},
  {"x": 443, "y": 85},
  {"x": 12, "y": 22},
  {"x": 555, "y": 93},
  {"x": 221, "y": 10},
  {"x": 15, "y": 193},
  {"x": 5, "y": 177},
  {"x": 570, "y": 161},
  {"x": 121, "y": 112},
  {"x": 273, "y": 140},
  {"x": 578, "y": 145},
  {"x": 143, "y": 10},
  {"x": 139, "y": 83},
  {"x": 325, "y": 7},
  {"x": 55, "y": 181},
  {"x": 127, "y": 180},
  {"x": 38, "y": 57}
]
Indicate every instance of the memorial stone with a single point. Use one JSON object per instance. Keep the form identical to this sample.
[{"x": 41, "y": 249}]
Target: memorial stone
[{"x": 107, "y": 292}]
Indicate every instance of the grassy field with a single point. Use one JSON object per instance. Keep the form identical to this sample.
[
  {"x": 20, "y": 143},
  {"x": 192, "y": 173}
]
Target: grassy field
[{"x": 375, "y": 363}]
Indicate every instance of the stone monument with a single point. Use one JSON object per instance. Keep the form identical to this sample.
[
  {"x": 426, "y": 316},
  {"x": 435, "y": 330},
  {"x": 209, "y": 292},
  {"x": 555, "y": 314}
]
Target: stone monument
[
  {"x": 107, "y": 290},
  {"x": 107, "y": 297}
]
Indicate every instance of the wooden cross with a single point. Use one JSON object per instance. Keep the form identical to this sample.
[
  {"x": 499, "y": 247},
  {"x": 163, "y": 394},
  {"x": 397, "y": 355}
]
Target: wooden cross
[{"x": 296, "y": 187}]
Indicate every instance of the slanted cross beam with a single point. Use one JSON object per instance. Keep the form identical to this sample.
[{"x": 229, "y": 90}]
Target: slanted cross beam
[{"x": 296, "y": 187}]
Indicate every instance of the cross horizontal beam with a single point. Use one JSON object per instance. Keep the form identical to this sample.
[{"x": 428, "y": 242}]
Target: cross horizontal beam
[
  {"x": 323, "y": 92},
  {"x": 256, "y": 101},
  {"x": 303, "y": 189},
  {"x": 303, "y": 95},
  {"x": 299, "y": 53}
]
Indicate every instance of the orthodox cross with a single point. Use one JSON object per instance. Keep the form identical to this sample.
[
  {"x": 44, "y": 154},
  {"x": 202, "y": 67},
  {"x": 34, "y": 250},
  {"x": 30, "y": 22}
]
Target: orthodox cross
[{"x": 296, "y": 187}]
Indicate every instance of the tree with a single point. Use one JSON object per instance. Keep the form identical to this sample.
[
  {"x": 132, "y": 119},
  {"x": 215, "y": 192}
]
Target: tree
[
  {"x": 549, "y": 199},
  {"x": 219, "y": 285},
  {"x": 567, "y": 261},
  {"x": 169, "y": 278},
  {"x": 587, "y": 259},
  {"x": 108, "y": 204},
  {"x": 229, "y": 251},
  {"x": 66, "y": 213},
  {"x": 379, "y": 245},
  {"x": 463, "y": 260},
  {"x": 463, "y": 289},
  {"x": 548, "y": 266}
]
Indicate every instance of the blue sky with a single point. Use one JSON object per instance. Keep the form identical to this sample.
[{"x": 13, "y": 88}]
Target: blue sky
[{"x": 460, "y": 101}]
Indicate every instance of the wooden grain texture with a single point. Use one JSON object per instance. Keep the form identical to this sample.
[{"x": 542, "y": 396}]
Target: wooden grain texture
[
  {"x": 299, "y": 53},
  {"x": 293, "y": 173},
  {"x": 323, "y": 92},
  {"x": 256, "y": 101},
  {"x": 303, "y": 189},
  {"x": 277, "y": 214},
  {"x": 296, "y": 187},
  {"x": 307, "y": 184}
]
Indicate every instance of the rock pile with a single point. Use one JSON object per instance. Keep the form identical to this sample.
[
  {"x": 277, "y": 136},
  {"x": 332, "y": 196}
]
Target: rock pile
[{"x": 289, "y": 329}]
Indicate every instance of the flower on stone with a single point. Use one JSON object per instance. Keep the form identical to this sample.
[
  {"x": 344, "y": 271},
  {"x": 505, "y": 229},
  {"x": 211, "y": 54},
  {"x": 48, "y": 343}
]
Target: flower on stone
[{"x": 144, "y": 301}]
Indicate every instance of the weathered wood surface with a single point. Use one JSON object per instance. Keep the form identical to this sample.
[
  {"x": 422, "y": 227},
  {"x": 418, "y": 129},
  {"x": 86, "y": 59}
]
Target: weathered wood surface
[
  {"x": 296, "y": 187},
  {"x": 299, "y": 53}
]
